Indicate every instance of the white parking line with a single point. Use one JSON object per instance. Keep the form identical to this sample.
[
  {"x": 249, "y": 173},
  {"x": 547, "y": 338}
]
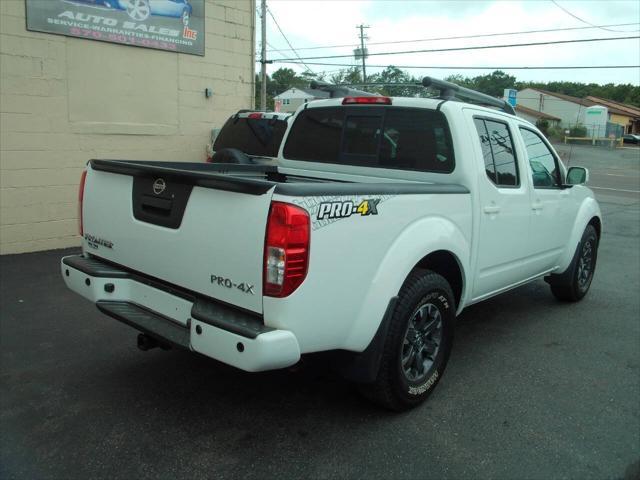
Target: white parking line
[
  {"x": 614, "y": 189},
  {"x": 609, "y": 174}
]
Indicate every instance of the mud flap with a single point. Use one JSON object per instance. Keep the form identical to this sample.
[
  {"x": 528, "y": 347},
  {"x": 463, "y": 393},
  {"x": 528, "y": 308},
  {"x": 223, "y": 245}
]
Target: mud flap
[
  {"x": 565, "y": 277},
  {"x": 363, "y": 367}
]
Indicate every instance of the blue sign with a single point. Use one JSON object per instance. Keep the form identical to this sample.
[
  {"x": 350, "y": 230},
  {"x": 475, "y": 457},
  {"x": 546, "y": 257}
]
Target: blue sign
[{"x": 511, "y": 96}]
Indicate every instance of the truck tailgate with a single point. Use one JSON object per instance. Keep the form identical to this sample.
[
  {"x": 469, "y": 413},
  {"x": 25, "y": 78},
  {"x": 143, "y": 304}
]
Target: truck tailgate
[{"x": 169, "y": 226}]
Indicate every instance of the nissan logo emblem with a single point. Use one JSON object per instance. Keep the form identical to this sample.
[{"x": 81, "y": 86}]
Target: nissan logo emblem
[{"x": 158, "y": 186}]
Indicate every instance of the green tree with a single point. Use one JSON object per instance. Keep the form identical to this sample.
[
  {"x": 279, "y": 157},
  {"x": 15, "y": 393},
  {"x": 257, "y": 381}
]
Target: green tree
[
  {"x": 494, "y": 83},
  {"x": 461, "y": 81},
  {"x": 543, "y": 125},
  {"x": 270, "y": 88},
  {"x": 350, "y": 76},
  {"x": 391, "y": 75},
  {"x": 286, "y": 78},
  {"x": 624, "y": 93},
  {"x": 282, "y": 80},
  {"x": 309, "y": 76}
]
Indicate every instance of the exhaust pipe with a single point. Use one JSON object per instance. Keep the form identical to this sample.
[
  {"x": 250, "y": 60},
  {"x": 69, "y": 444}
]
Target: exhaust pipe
[{"x": 145, "y": 342}]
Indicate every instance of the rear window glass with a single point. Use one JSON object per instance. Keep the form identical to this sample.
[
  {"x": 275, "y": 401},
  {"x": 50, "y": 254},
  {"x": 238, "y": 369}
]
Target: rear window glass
[
  {"x": 253, "y": 136},
  {"x": 394, "y": 138}
]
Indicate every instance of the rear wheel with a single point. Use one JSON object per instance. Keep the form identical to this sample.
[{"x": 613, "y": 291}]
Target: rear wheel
[
  {"x": 583, "y": 269},
  {"x": 418, "y": 343}
]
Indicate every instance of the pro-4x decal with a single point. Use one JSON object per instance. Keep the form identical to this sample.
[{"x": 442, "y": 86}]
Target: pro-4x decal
[
  {"x": 344, "y": 209},
  {"x": 323, "y": 213}
]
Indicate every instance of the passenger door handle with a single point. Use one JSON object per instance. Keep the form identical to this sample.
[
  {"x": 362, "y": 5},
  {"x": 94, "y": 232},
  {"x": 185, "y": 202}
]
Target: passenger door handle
[
  {"x": 537, "y": 206},
  {"x": 492, "y": 209}
]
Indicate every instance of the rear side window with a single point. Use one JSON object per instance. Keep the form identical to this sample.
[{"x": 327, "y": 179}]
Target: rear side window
[
  {"x": 393, "y": 138},
  {"x": 254, "y": 136},
  {"x": 498, "y": 152}
]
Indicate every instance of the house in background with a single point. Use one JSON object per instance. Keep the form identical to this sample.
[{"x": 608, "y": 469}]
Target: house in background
[
  {"x": 570, "y": 110},
  {"x": 573, "y": 111},
  {"x": 290, "y": 100},
  {"x": 621, "y": 113},
  {"x": 533, "y": 116}
]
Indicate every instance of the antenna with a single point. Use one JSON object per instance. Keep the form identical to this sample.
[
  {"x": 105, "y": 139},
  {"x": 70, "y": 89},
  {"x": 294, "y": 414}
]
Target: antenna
[{"x": 451, "y": 91}]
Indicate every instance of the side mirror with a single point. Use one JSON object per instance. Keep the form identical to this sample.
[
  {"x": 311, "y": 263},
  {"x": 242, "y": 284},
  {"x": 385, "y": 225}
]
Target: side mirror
[{"x": 577, "y": 176}]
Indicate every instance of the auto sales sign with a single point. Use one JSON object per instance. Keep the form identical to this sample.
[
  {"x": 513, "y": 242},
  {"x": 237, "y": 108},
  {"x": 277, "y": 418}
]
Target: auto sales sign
[{"x": 174, "y": 25}]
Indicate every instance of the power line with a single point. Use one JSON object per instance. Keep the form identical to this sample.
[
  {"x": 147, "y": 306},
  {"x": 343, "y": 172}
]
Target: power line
[
  {"x": 584, "y": 21},
  {"x": 274, "y": 49},
  {"x": 287, "y": 40},
  {"x": 481, "y": 35},
  {"x": 453, "y": 67},
  {"x": 278, "y": 50},
  {"x": 477, "y": 47}
]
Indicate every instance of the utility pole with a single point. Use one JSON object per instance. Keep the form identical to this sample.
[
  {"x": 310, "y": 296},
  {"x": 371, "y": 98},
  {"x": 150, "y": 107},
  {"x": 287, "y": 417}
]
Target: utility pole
[
  {"x": 363, "y": 52},
  {"x": 263, "y": 60}
]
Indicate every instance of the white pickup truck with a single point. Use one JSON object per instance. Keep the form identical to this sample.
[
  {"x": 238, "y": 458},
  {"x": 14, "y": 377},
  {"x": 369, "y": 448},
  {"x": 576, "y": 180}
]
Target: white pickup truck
[{"x": 381, "y": 221}]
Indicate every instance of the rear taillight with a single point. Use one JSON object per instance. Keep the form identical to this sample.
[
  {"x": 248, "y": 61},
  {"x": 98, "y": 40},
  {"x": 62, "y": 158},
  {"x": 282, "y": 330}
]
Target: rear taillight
[
  {"x": 286, "y": 249},
  {"x": 83, "y": 177}
]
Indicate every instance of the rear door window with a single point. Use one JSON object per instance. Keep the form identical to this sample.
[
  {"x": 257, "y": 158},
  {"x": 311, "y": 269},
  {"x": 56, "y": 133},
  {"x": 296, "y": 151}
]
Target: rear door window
[
  {"x": 487, "y": 154},
  {"x": 381, "y": 137},
  {"x": 498, "y": 152}
]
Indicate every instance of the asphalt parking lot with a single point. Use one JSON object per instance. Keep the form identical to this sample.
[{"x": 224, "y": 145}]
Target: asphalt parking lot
[{"x": 534, "y": 388}]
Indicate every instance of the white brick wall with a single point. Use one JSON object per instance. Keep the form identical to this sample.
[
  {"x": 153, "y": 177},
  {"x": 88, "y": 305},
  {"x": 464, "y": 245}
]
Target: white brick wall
[{"x": 46, "y": 133}]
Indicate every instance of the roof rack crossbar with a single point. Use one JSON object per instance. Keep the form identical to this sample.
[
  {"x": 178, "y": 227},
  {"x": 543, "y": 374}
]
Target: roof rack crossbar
[
  {"x": 338, "y": 91},
  {"x": 451, "y": 91}
]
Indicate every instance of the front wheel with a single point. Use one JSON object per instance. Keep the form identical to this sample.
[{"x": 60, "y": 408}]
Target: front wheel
[
  {"x": 418, "y": 343},
  {"x": 577, "y": 284}
]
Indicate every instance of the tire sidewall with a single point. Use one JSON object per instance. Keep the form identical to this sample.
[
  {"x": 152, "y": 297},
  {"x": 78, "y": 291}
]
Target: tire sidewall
[
  {"x": 589, "y": 234},
  {"x": 439, "y": 294}
]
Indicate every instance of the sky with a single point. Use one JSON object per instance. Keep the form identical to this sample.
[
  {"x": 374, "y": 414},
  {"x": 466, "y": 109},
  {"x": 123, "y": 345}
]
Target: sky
[{"x": 321, "y": 23}]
